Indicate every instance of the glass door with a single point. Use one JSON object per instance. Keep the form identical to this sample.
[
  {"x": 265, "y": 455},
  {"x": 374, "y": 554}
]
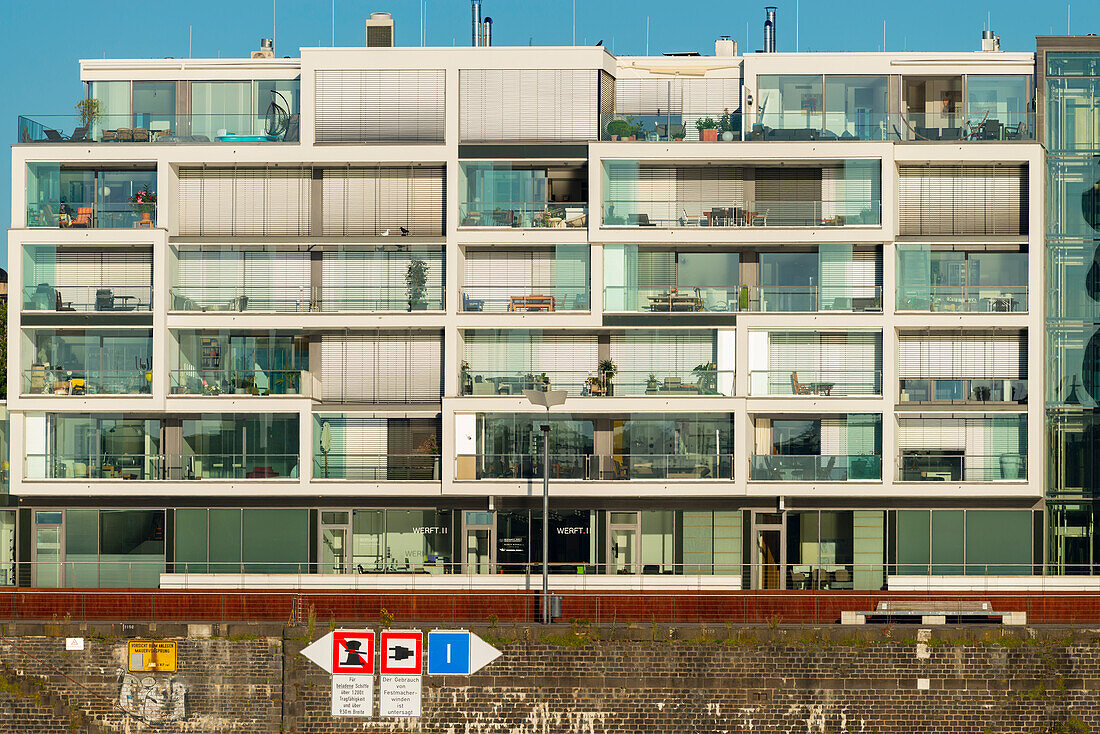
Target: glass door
[
  {"x": 770, "y": 551},
  {"x": 48, "y": 551},
  {"x": 478, "y": 543},
  {"x": 334, "y": 542},
  {"x": 622, "y": 539}
]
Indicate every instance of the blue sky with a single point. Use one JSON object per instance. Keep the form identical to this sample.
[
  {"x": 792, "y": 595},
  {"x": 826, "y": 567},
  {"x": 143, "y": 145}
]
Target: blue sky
[{"x": 41, "y": 43}]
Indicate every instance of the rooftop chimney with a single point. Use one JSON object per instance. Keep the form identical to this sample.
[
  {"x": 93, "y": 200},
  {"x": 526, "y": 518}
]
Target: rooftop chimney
[
  {"x": 488, "y": 31},
  {"x": 769, "y": 29},
  {"x": 380, "y": 30},
  {"x": 475, "y": 11},
  {"x": 267, "y": 49},
  {"x": 725, "y": 47},
  {"x": 990, "y": 42}
]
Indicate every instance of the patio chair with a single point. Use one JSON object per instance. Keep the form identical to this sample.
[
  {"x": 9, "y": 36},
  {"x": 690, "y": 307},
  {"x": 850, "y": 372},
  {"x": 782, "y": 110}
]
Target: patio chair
[
  {"x": 104, "y": 299},
  {"x": 124, "y": 135},
  {"x": 472, "y": 304},
  {"x": 799, "y": 388},
  {"x": 141, "y": 135},
  {"x": 53, "y": 136},
  {"x": 80, "y": 135}
]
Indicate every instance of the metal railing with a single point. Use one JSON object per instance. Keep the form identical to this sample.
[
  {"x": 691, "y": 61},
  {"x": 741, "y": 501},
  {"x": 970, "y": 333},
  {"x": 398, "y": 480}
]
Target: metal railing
[
  {"x": 814, "y": 382},
  {"x": 581, "y": 383},
  {"x": 963, "y": 390},
  {"x": 237, "y": 382},
  {"x": 91, "y": 215},
  {"x": 160, "y": 467},
  {"x": 984, "y": 298},
  {"x": 814, "y": 468},
  {"x": 944, "y": 466},
  {"x": 689, "y": 299},
  {"x": 41, "y": 381},
  {"x": 326, "y": 299},
  {"x": 524, "y": 298},
  {"x": 596, "y": 467},
  {"x": 377, "y": 467},
  {"x": 524, "y": 214},
  {"x": 45, "y": 297},
  {"x": 731, "y": 214},
  {"x": 159, "y": 128}
]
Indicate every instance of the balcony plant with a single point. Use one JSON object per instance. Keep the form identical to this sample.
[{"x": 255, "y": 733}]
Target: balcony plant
[
  {"x": 651, "y": 382},
  {"x": 144, "y": 201},
  {"x": 727, "y": 125},
  {"x": 708, "y": 128},
  {"x": 618, "y": 129},
  {"x": 465, "y": 379},
  {"x": 593, "y": 385},
  {"x": 416, "y": 284},
  {"x": 88, "y": 109},
  {"x": 607, "y": 370},
  {"x": 743, "y": 298},
  {"x": 708, "y": 377}
]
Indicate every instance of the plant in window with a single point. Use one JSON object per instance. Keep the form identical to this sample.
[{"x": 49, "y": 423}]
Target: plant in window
[
  {"x": 429, "y": 446},
  {"x": 144, "y": 201},
  {"x": 743, "y": 298},
  {"x": 593, "y": 385},
  {"x": 727, "y": 124},
  {"x": 708, "y": 377},
  {"x": 651, "y": 382},
  {"x": 416, "y": 284},
  {"x": 707, "y": 127}
]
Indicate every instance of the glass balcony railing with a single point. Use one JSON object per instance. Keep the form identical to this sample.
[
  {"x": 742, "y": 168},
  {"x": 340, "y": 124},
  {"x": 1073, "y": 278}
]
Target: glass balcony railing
[
  {"x": 161, "y": 467},
  {"x": 814, "y": 468},
  {"x": 524, "y": 299},
  {"x": 580, "y": 383},
  {"x": 376, "y": 467},
  {"x": 155, "y": 128},
  {"x": 237, "y": 382},
  {"x": 91, "y": 215},
  {"x": 688, "y": 299},
  {"x": 963, "y": 391},
  {"x": 760, "y": 213},
  {"x": 978, "y": 298},
  {"x": 524, "y": 214},
  {"x": 303, "y": 299},
  {"x": 815, "y": 382},
  {"x": 979, "y": 125},
  {"x": 42, "y": 381},
  {"x": 608, "y": 467},
  {"x": 45, "y": 297},
  {"x": 957, "y": 466}
]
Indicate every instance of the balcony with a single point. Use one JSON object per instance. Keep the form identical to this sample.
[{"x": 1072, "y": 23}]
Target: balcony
[
  {"x": 814, "y": 468},
  {"x": 958, "y": 391},
  {"x": 957, "y": 466},
  {"x": 707, "y": 299},
  {"x": 815, "y": 382},
  {"x": 140, "y": 128},
  {"x": 532, "y": 299},
  {"x": 161, "y": 467},
  {"x": 376, "y": 467},
  {"x": 685, "y": 213},
  {"x": 671, "y": 382},
  {"x": 72, "y": 197},
  {"x": 525, "y": 215},
  {"x": 588, "y": 467},
  {"x": 964, "y": 299},
  {"x": 42, "y": 381},
  {"x": 238, "y": 382},
  {"x": 84, "y": 298},
  {"x": 523, "y": 195},
  {"x": 304, "y": 299}
]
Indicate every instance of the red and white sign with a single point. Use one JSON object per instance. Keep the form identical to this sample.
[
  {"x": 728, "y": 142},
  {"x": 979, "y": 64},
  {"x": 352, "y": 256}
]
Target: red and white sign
[
  {"x": 353, "y": 652},
  {"x": 402, "y": 652}
]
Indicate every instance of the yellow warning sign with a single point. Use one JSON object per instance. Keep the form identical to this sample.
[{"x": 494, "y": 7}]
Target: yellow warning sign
[{"x": 150, "y": 656}]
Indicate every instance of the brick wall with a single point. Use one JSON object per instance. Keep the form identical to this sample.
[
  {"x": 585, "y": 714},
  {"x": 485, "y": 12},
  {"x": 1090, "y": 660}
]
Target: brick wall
[{"x": 582, "y": 679}]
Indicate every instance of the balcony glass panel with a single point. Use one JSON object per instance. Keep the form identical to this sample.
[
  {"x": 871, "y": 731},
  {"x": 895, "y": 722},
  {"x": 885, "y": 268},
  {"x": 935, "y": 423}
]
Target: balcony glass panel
[
  {"x": 500, "y": 194},
  {"x": 932, "y": 107},
  {"x": 226, "y": 363},
  {"x": 73, "y": 278},
  {"x": 540, "y": 281},
  {"x": 790, "y": 101},
  {"x": 669, "y": 280},
  {"x": 369, "y": 280},
  {"x": 375, "y": 449},
  {"x": 82, "y": 446},
  {"x": 90, "y": 198},
  {"x": 831, "y": 448},
  {"x": 983, "y": 449},
  {"x": 994, "y": 103},
  {"x": 93, "y": 362},
  {"x": 959, "y": 390},
  {"x": 221, "y": 446},
  {"x": 940, "y": 280}
]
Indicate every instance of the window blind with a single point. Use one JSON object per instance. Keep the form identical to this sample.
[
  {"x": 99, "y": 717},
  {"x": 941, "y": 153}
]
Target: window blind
[
  {"x": 380, "y": 105},
  {"x": 381, "y": 367},
  {"x": 245, "y": 201},
  {"x": 982, "y": 354},
  {"x": 372, "y": 201},
  {"x": 528, "y": 104},
  {"x": 971, "y": 199}
]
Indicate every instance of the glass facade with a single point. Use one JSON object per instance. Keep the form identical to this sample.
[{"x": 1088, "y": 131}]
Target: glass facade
[
  {"x": 503, "y": 194},
  {"x": 84, "y": 198},
  {"x": 1072, "y": 138},
  {"x": 234, "y": 363},
  {"x": 88, "y": 362}
]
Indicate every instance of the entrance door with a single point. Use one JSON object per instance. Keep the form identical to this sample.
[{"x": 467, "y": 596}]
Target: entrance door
[
  {"x": 334, "y": 541},
  {"x": 770, "y": 551},
  {"x": 477, "y": 542},
  {"x": 48, "y": 551},
  {"x": 622, "y": 542}
]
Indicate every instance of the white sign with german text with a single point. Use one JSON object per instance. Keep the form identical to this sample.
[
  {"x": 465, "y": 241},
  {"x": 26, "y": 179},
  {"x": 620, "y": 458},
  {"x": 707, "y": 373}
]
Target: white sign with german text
[
  {"x": 352, "y": 695},
  {"x": 399, "y": 695}
]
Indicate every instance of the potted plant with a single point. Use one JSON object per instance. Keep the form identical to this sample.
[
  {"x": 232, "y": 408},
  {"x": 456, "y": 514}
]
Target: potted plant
[
  {"x": 416, "y": 282},
  {"x": 727, "y": 125},
  {"x": 743, "y": 298},
  {"x": 618, "y": 129},
  {"x": 1011, "y": 464},
  {"x": 708, "y": 128},
  {"x": 607, "y": 370},
  {"x": 465, "y": 379},
  {"x": 708, "y": 377},
  {"x": 145, "y": 203},
  {"x": 428, "y": 447},
  {"x": 639, "y": 131},
  {"x": 632, "y": 128},
  {"x": 651, "y": 383},
  {"x": 593, "y": 385},
  {"x": 88, "y": 109}
]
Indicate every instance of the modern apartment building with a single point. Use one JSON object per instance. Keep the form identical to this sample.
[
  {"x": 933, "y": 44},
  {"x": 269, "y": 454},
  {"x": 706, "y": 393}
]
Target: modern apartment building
[{"x": 275, "y": 317}]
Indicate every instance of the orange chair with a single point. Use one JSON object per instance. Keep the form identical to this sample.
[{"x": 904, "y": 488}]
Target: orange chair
[{"x": 83, "y": 217}]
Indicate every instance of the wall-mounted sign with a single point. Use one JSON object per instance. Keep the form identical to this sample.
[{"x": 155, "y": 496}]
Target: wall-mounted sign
[{"x": 151, "y": 656}]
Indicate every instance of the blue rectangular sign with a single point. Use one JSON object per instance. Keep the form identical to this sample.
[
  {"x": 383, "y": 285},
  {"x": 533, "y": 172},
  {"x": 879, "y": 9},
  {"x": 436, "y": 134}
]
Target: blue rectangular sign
[{"x": 448, "y": 653}]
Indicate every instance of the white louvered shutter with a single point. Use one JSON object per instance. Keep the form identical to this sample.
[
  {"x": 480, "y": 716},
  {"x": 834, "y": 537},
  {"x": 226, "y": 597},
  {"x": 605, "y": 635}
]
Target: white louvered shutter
[{"x": 380, "y": 105}]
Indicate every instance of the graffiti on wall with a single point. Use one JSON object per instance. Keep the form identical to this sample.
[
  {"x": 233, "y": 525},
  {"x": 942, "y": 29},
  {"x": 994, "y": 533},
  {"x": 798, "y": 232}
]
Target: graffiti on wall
[{"x": 154, "y": 700}]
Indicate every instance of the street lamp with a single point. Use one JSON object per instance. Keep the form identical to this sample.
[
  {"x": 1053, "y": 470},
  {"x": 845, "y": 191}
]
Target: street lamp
[{"x": 547, "y": 399}]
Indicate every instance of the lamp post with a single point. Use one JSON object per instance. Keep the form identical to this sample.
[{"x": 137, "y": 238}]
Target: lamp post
[{"x": 547, "y": 399}]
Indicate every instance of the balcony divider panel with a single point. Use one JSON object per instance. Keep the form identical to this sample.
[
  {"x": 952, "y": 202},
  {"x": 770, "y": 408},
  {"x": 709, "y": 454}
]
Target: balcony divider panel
[
  {"x": 528, "y": 104},
  {"x": 371, "y": 105}
]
